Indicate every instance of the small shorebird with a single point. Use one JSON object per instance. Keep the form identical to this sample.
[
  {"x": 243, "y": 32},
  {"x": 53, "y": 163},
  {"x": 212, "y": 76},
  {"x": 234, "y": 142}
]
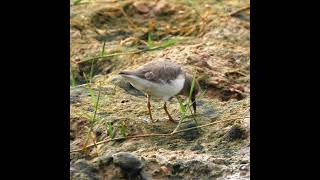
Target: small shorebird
[{"x": 162, "y": 79}]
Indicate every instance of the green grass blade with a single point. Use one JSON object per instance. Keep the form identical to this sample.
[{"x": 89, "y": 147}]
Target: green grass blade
[
  {"x": 91, "y": 92},
  {"x": 168, "y": 43},
  {"x": 201, "y": 95},
  {"x": 123, "y": 129},
  {"x": 110, "y": 130},
  {"x": 85, "y": 77},
  {"x": 192, "y": 85},
  {"x": 73, "y": 80},
  {"x": 76, "y": 2},
  {"x": 150, "y": 42},
  {"x": 94, "y": 99},
  {"x": 91, "y": 70},
  {"x": 96, "y": 107},
  {"x": 190, "y": 2},
  {"x": 94, "y": 61},
  {"x": 182, "y": 106},
  {"x": 103, "y": 48},
  {"x": 190, "y": 102}
]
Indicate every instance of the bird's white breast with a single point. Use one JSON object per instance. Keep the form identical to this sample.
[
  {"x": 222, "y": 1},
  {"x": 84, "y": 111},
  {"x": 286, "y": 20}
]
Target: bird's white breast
[{"x": 164, "y": 90}]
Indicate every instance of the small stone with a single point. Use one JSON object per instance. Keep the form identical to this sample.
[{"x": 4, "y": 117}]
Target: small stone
[
  {"x": 236, "y": 132},
  {"x": 127, "y": 160},
  {"x": 156, "y": 171},
  {"x": 165, "y": 170},
  {"x": 76, "y": 93},
  {"x": 243, "y": 173},
  {"x": 141, "y": 7},
  {"x": 162, "y": 7},
  {"x": 177, "y": 166},
  {"x": 161, "y": 150},
  {"x": 245, "y": 167},
  {"x": 81, "y": 169},
  {"x": 129, "y": 163},
  {"x": 237, "y": 88},
  {"x": 101, "y": 31},
  {"x": 173, "y": 158},
  {"x": 197, "y": 147},
  {"x": 218, "y": 161},
  {"x": 103, "y": 161}
]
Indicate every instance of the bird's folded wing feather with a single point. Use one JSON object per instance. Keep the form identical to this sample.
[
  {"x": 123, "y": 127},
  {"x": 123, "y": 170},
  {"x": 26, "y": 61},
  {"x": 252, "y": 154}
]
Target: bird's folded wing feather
[{"x": 159, "y": 71}]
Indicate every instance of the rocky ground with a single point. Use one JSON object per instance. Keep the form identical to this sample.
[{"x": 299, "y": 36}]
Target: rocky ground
[{"x": 208, "y": 41}]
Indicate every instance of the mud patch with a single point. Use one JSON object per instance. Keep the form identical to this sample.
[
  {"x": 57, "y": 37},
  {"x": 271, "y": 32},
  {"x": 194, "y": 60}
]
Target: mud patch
[
  {"x": 224, "y": 94},
  {"x": 192, "y": 134}
]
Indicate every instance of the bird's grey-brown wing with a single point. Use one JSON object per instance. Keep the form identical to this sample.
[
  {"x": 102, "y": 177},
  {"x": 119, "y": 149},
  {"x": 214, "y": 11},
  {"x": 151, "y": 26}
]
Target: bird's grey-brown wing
[{"x": 159, "y": 71}]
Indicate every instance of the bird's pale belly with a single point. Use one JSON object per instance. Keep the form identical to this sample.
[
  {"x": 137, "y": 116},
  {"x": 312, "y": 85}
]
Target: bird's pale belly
[{"x": 163, "y": 90}]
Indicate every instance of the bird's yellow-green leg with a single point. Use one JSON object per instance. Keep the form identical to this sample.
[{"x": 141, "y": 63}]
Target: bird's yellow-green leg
[
  {"x": 165, "y": 108},
  {"x": 149, "y": 107}
]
